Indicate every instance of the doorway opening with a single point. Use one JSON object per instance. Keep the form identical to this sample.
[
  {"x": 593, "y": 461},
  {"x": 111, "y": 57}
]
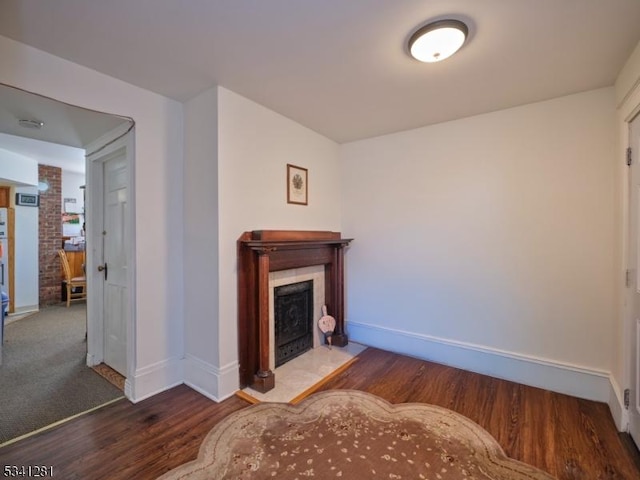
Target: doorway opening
[{"x": 42, "y": 152}]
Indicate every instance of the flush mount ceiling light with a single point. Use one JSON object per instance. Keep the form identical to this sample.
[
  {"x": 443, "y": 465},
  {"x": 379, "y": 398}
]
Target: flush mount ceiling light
[
  {"x": 438, "y": 40},
  {"x": 36, "y": 124},
  {"x": 43, "y": 185}
]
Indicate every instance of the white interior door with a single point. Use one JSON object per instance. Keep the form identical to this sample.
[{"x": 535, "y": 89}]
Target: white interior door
[
  {"x": 634, "y": 262},
  {"x": 114, "y": 262},
  {"x": 110, "y": 250}
]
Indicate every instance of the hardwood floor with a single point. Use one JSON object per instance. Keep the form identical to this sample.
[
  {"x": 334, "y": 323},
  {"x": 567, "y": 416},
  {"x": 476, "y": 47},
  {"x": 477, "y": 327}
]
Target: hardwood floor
[{"x": 570, "y": 438}]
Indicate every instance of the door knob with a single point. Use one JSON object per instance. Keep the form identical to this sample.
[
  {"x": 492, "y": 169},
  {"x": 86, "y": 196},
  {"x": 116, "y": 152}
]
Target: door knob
[{"x": 103, "y": 268}]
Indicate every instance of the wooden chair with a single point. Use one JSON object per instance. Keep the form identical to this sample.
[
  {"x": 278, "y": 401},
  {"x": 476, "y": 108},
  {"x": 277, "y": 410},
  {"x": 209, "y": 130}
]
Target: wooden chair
[{"x": 72, "y": 282}]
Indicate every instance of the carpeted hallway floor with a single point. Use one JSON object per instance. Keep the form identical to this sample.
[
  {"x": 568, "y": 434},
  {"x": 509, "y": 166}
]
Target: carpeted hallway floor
[{"x": 44, "y": 377}]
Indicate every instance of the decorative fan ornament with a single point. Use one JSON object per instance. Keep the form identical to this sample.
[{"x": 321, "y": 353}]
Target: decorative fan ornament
[{"x": 327, "y": 325}]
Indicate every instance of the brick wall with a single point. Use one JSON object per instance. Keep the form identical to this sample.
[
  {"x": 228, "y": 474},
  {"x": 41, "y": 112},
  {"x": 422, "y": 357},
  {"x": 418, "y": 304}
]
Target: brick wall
[{"x": 50, "y": 233}]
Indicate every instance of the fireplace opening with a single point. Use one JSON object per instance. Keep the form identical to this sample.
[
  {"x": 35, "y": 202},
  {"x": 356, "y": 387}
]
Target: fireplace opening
[{"x": 293, "y": 320}]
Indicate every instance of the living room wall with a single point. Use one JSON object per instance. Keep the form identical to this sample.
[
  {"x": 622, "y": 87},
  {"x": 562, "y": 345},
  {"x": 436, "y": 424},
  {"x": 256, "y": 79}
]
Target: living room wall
[
  {"x": 157, "y": 200},
  {"x": 488, "y": 242},
  {"x": 243, "y": 148}
]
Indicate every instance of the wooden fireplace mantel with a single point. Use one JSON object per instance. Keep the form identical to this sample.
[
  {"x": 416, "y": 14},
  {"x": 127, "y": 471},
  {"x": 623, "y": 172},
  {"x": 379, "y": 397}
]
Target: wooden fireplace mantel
[{"x": 264, "y": 251}]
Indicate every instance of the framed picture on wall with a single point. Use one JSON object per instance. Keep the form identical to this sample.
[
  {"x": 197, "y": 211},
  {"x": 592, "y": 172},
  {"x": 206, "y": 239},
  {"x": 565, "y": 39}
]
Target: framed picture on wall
[{"x": 297, "y": 185}]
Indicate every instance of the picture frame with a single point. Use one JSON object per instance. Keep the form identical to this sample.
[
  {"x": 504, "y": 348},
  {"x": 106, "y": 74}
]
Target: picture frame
[{"x": 297, "y": 185}]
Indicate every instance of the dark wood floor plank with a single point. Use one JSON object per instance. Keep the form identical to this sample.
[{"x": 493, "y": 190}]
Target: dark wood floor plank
[
  {"x": 568, "y": 437},
  {"x": 125, "y": 441}
]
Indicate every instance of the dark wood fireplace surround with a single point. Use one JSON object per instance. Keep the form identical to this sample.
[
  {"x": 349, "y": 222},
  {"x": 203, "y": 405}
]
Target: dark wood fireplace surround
[{"x": 264, "y": 251}]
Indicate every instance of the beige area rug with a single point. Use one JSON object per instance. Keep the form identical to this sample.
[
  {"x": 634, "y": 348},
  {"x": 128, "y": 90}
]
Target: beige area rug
[{"x": 351, "y": 435}]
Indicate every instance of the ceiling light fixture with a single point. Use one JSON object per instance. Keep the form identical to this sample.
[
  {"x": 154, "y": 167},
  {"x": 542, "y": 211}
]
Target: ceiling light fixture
[
  {"x": 43, "y": 185},
  {"x": 438, "y": 40},
  {"x": 35, "y": 124}
]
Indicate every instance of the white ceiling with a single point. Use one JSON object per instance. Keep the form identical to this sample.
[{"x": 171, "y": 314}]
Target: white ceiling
[
  {"x": 45, "y": 153},
  {"x": 66, "y": 128},
  {"x": 63, "y": 123},
  {"x": 340, "y": 67}
]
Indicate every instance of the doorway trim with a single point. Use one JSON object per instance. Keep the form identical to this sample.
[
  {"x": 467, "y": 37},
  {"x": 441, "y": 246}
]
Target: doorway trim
[{"x": 121, "y": 137}]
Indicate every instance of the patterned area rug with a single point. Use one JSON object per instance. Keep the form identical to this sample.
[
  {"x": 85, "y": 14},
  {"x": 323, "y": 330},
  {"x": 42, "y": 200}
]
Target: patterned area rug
[{"x": 351, "y": 435}]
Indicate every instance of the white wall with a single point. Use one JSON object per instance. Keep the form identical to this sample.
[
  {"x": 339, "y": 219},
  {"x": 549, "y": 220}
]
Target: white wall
[
  {"x": 201, "y": 289},
  {"x": 26, "y": 256},
  {"x": 17, "y": 169},
  {"x": 488, "y": 242},
  {"x": 71, "y": 183},
  {"x": 158, "y": 198},
  {"x": 254, "y": 146}
]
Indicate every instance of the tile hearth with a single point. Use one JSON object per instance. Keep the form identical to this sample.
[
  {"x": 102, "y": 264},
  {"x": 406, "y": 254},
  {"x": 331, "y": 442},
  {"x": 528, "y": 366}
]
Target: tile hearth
[{"x": 297, "y": 376}]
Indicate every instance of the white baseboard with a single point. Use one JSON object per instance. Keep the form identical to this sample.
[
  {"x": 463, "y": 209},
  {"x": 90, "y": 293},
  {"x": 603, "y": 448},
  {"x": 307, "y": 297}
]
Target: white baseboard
[
  {"x": 212, "y": 382},
  {"x": 91, "y": 360},
  {"x": 25, "y": 309},
  {"x": 538, "y": 372},
  {"x": 616, "y": 404},
  {"x": 128, "y": 389},
  {"x": 150, "y": 380}
]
